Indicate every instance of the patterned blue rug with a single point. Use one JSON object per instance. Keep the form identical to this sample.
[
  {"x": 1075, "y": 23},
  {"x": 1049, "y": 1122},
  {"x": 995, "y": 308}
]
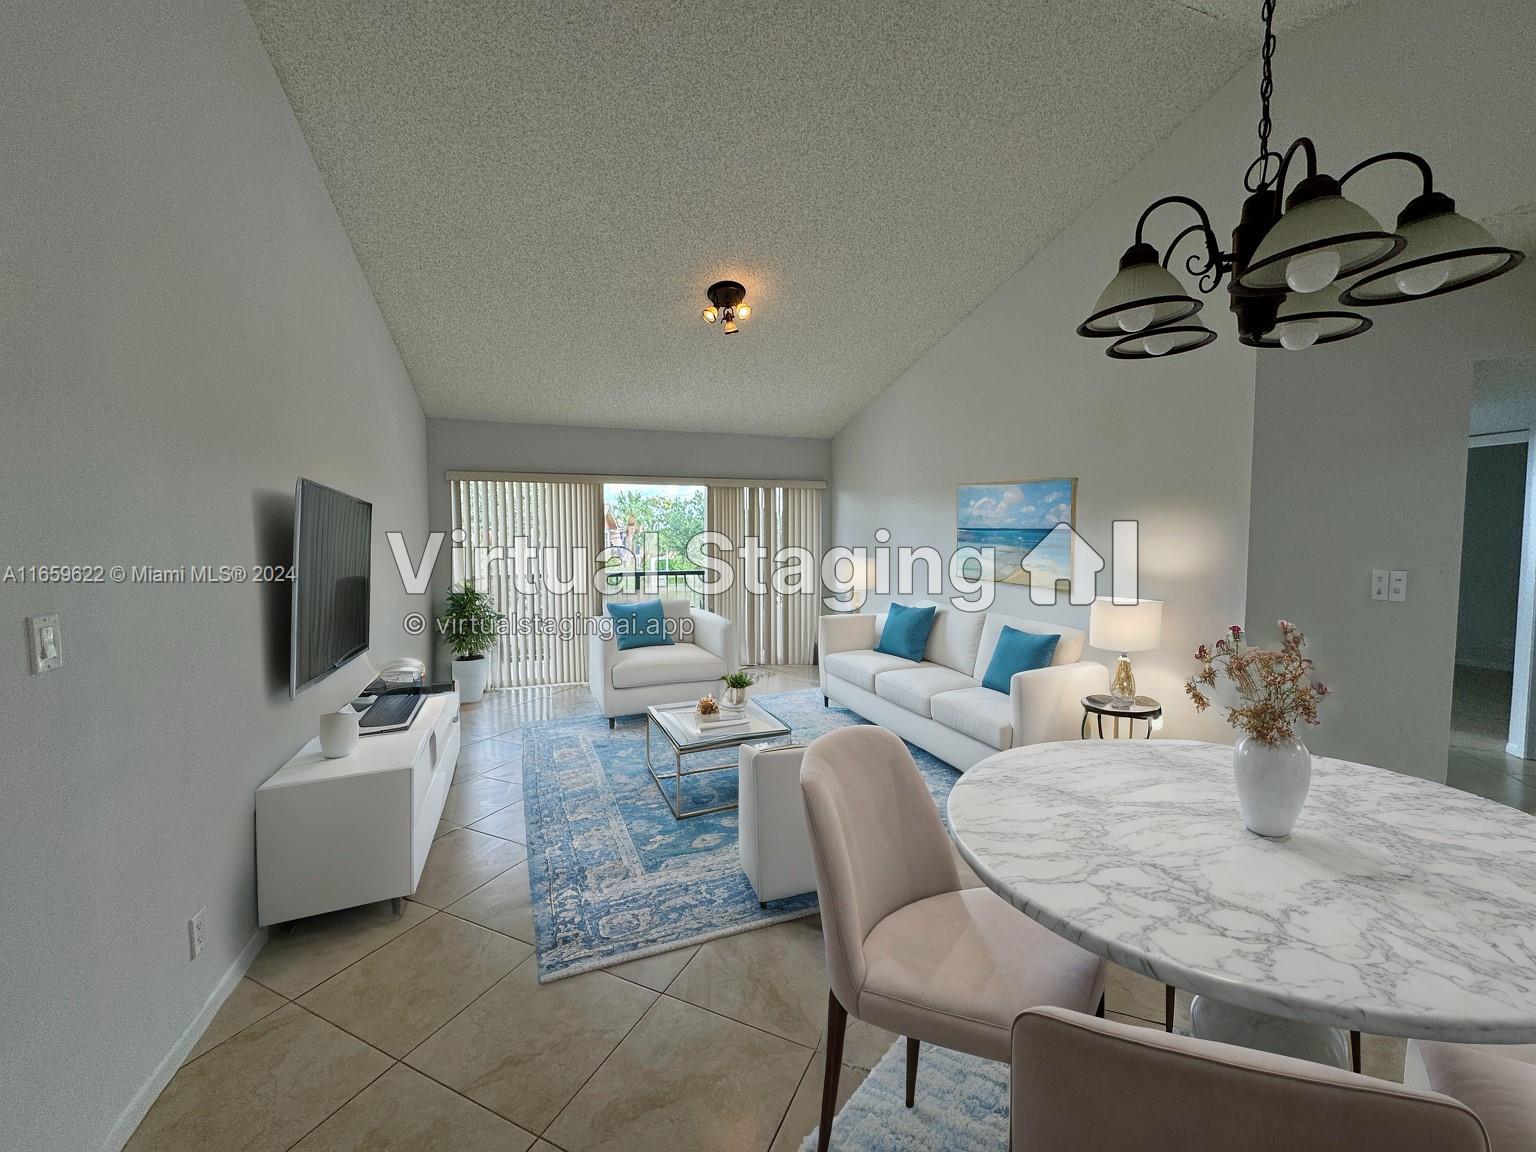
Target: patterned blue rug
[
  {"x": 961, "y": 1106},
  {"x": 614, "y": 877}
]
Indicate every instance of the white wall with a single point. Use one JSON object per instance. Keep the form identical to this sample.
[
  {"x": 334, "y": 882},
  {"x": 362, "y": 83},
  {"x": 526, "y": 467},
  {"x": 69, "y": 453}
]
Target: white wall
[
  {"x": 1013, "y": 393},
  {"x": 184, "y": 331},
  {"x": 1360, "y": 448},
  {"x": 492, "y": 446}
]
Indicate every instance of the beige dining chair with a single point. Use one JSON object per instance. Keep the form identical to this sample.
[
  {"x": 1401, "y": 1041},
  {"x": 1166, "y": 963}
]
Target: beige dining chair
[
  {"x": 908, "y": 947},
  {"x": 1080, "y": 1084},
  {"x": 1497, "y": 1081}
]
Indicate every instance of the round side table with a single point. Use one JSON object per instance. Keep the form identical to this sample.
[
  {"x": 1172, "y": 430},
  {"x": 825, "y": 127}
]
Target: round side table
[{"x": 1101, "y": 706}]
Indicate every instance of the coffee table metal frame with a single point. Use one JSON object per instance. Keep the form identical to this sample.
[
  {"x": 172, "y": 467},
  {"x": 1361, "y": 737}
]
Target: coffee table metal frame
[{"x": 731, "y": 738}]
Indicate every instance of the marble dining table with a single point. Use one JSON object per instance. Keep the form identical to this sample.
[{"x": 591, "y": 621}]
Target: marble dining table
[{"x": 1397, "y": 906}]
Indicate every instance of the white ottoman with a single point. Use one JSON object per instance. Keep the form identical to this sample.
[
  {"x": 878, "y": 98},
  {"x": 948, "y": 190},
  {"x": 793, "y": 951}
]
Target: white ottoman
[{"x": 775, "y": 846}]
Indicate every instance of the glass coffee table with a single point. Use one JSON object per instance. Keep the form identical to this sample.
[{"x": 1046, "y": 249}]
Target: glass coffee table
[{"x": 679, "y": 724}]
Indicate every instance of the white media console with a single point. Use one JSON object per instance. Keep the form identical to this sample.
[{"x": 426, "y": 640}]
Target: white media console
[{"x": 333, "y": 834}]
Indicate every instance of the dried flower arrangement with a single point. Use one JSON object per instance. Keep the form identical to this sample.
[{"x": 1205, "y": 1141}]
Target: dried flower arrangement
[{"x": 1276, "y": 688}]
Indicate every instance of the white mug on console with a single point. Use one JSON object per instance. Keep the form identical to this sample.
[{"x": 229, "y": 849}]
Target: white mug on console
[{"x": 338, "y": 734}]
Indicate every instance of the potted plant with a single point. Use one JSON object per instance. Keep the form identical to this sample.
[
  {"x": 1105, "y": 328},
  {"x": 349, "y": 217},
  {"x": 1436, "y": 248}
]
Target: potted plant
[
  {"x": 469, "y": 624},
  {"x": 1273, "y": 767},
  {"x": 736, "y": 685}
]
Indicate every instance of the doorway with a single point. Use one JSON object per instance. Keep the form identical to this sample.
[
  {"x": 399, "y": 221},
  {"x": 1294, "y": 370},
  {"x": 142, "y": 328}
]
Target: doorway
[{"x": 1490, "y": 699}]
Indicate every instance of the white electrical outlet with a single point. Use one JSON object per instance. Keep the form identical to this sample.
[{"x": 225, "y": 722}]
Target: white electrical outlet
[
  {"x": 195, "y": 933},
  {"x": 1397, "y": 586},
  {"x": 1378, "y": 583}
]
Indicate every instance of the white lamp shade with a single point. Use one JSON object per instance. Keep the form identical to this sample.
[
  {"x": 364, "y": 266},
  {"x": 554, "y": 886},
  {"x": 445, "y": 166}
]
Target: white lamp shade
[
  {"x": 1147, "y": 286},
  {"x": 1134, "y": 627},
  {"x": 1449, "y": 244},
  {"x": 1328, "y": 222},
  {"x": 1331, "y": 319},
  {"x": 1169, "y": 340}
]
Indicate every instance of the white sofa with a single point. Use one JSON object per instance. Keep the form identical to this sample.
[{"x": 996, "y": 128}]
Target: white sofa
[
  {"x": 939, "y": 704},
  {"x": 625, "y": 683}
]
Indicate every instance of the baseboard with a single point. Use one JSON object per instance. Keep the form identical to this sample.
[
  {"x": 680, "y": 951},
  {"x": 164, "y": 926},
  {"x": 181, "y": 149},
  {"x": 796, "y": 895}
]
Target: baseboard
[{"x": 150, "y": 1092}]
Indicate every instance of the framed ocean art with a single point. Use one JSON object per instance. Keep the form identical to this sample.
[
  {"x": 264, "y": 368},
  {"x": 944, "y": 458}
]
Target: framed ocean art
[{"x": 1015, "y": 520}]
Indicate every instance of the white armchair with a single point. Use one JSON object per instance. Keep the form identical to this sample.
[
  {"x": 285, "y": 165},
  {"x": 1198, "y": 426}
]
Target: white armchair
[
  {"x": 774, "y": 842},
  {"x": 624, "y": 683}
]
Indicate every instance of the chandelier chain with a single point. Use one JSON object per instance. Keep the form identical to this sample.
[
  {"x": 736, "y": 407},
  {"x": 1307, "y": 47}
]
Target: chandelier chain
[{"x": 1258, "y": 176}]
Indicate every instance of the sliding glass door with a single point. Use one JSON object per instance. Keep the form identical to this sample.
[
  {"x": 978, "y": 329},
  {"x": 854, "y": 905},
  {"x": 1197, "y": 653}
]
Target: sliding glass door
[{"x": 550, "y": 549}]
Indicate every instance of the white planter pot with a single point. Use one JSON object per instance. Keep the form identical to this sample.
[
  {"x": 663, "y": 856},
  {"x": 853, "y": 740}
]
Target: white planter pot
[
  {"x": 469, "y": 677},
  {"x": 1272, "y": 783},
  {"x": 734, "y": 698}
]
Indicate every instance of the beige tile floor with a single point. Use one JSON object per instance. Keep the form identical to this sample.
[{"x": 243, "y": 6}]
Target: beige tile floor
[{"x": 360, "y": 1032}]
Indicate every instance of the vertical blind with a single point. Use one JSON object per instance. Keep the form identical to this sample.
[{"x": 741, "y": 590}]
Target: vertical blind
[
  {"x": 545, "y": 639},
  {"x": 773, "y": 627}
]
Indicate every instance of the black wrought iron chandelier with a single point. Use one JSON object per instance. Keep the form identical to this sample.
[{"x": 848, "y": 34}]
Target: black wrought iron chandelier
[{"x": 1285, "y": 269}]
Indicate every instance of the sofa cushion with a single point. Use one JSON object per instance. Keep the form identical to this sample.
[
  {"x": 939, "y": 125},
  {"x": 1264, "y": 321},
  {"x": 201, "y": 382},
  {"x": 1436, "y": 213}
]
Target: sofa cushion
[
  {"x": 979, "y": 713},
  {"x": 955, "y": 638},
  {"x": 861, "y": 666},
  {"x": 679, "y": 614},
  {"x": 1018, "y": 651},
  {"x": 906, "y": 631},
  {"x": 639, "y": 624},
  {"x": 913, "y": 688},
  {"x": 665, "y": 664},
  {"x": 1069, "y": 649},
  {"x": 952, "y": 641}
]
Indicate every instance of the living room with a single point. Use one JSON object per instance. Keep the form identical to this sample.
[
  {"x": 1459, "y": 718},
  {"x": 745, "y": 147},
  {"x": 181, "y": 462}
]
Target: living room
[{"x": 475, "y": 271}]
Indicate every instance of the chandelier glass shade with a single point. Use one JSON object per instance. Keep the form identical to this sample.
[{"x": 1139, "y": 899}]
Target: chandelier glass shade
[
  {"x": 1169, "y": 340},
  {"x": 1291, "y": 257},
  {"x": 1444, "y": 251},
  {"x": 1321, "y": 237},
  {"x": 1307, "y": 318},
  {"x": 1142, "y": 294}
]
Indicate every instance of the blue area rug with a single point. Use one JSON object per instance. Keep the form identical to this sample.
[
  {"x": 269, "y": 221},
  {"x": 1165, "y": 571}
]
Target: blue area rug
[
  {"x": 961, "y": 1106},
  {"x": 613, "y": 876}
]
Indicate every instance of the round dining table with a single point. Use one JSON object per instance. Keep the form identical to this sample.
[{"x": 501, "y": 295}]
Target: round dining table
[{"x": 1397, "y": 906}]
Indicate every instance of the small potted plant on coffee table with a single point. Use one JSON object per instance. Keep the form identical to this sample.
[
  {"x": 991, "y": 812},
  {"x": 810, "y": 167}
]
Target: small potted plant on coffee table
[
  {"x": 736, "y": 685},
  {"x": 469, "y": 624}
]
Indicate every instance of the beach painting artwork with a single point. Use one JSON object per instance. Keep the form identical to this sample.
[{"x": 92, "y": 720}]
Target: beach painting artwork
[{"x": 1015, "y": 520}]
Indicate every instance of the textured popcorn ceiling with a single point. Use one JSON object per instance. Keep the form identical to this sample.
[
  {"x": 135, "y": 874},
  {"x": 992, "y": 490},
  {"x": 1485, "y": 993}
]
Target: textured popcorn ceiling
[{"x": 539, "y": 194}]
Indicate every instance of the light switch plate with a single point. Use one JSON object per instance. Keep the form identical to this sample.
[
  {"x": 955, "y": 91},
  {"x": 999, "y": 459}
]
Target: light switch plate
[
  {"x": 1397, "y": 586},
  {"x": 1378, "y": 583},
  {"x": 46, "y": 643}
]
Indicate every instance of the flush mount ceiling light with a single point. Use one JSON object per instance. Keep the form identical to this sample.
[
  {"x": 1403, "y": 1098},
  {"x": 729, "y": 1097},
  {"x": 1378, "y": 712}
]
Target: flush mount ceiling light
[
  {"x": 727, "y": 305},
  {"x": 1289, "y": 255}
]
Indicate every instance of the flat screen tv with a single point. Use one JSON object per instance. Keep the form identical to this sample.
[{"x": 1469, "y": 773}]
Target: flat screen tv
[{"x": 332, "y": 540}]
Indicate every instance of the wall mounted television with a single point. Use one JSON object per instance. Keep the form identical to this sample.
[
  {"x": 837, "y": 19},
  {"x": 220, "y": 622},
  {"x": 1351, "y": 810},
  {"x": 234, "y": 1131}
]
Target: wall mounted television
[{"x": 332, "y": 546}]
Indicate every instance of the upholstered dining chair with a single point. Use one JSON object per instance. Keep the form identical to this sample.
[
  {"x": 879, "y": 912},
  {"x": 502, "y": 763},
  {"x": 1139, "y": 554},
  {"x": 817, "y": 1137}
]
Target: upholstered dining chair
[
  {"x": 908, "y": 947},
  {"x": 1080, "y": 1084},
  {"x": 1497, "y": 1081}
]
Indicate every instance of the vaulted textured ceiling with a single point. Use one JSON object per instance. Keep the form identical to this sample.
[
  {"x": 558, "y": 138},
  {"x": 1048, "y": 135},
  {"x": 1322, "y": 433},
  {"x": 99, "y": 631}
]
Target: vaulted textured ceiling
[{"x": 539, "y": 194}]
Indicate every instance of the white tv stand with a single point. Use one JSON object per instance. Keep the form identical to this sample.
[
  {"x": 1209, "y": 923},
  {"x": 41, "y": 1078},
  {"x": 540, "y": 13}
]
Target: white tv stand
[{"x": 333, "y": 834}]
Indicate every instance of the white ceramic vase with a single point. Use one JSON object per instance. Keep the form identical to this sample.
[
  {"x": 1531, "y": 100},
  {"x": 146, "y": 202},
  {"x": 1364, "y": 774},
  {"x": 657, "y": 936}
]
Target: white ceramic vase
[
  {"x": 1272, "y": 783},
  {"x": 734, "y": 698},
  {"x": 469, "y": 677}
]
